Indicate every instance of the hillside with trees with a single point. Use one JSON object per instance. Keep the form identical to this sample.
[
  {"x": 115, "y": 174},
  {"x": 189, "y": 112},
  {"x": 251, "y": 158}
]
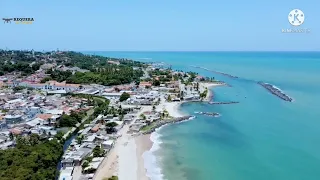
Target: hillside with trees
[
  {"x": 31, "y": 159},
  {"x": 18, "y": 62},
  {"x": 109, "y": 75},
  {"x": 103, "y": 70}
]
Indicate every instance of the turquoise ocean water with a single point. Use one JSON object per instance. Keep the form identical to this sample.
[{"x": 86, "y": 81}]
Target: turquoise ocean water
[{"x": 261, "y": 138}]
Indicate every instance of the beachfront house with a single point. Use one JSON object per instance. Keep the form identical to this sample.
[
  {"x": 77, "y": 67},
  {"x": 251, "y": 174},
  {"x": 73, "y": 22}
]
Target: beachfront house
[
  {"x": 75, "y": 158},
  {"x": 108, "y": 144},
  {"x": 94, "y": 164},
  {"x": 66, "y": 174}
]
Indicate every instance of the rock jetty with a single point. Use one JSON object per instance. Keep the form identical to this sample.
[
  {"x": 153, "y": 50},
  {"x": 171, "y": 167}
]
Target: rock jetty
[
  {"x": 164, "y": 122},
  {"x": 217, "y": 72},
  {"x": 276, "y": 91},
  {"x": 229, "y": 102},
  {"x": 213, "y": 114}
]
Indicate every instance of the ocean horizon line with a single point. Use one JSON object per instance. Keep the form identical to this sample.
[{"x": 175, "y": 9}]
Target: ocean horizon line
[
  {"x": 191, "y": 51},
  {"x": 176, "y": 51}
]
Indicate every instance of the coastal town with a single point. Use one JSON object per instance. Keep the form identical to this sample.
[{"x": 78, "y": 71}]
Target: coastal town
[{"x": 97, "y": 113}]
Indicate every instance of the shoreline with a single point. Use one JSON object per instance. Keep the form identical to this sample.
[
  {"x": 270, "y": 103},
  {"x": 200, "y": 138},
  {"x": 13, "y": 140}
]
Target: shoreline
[
  {"x": 144, "y": 143},
  {"x": 121, "y": 162},
  {"x": 119, "y": 159}
]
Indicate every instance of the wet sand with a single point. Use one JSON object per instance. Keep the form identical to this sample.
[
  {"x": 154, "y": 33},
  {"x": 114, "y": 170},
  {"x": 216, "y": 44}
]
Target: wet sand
[{"x": 143, "y": 144}]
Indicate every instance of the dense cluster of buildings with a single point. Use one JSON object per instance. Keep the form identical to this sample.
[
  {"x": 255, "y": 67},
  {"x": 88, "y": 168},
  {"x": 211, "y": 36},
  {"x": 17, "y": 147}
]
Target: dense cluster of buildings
[{"x": 28, "y": 112}]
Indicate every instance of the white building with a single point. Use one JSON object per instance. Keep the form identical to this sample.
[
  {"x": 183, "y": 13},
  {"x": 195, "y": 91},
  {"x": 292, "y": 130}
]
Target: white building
[
  {"x": 111, "y": 95},
  {"x": 108, "y": 144},
  {"x": 66, "y": 174}
]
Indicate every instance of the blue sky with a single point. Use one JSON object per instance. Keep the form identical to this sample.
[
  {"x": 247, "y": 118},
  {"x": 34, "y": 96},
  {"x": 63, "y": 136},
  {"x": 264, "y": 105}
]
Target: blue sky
[{"x": 166, "y": 25}]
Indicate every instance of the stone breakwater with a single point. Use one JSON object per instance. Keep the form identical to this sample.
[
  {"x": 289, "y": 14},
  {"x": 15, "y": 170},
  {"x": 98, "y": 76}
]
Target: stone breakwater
[
  {"x": 217, "y": 72},
  {"x": 230, "y": 102},
  {"x": 213, "y": 114},
  {"x": 164, "y": 122},
  {"x": 276, "y": 91}
]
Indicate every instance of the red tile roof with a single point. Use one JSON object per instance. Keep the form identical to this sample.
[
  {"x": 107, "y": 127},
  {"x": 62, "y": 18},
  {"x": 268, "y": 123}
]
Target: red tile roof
[
  {"x": 45, "y": 116},
  {"x": 15, "y": 131}
]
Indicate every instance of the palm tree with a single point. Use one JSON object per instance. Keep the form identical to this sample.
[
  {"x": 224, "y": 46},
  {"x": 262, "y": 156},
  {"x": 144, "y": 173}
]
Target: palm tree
[
  {"x": 169, "y": 98},
  {"x": 120, "y": 110},
  {"x": 165, "y": 113},
  {"x": 162, "y": 115},
  {"x": 142, "y": 116}
]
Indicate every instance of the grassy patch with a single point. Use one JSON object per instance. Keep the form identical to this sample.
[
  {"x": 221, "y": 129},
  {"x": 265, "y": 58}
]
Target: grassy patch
[{"x": 148, "y": 127}]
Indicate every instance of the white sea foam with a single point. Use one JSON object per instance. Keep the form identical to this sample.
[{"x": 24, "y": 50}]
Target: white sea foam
[{"x": 150, "y": 160}]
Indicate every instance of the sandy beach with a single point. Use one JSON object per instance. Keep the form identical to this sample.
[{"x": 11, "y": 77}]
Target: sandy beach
[
  {"x": 122, "y": 160},
  {"x": 126, "y": 160},
  {"x": 144, "y": 144},
  {"x": 172, "y": 108},
  {"x": 203, "y": 86}
]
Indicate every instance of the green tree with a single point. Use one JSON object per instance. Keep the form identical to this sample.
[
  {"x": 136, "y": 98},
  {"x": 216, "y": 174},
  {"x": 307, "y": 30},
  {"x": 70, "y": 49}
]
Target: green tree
[
  {"x": 11, "y": 136},
  {"x": 111, "y": 124},
  {"x": 165, "y": 113},
  {"x": 80, "y": 139},
  {"x": 156, "y": 83},
  {"x": 18, "y": 88},
  {"x": 111, "y": 178},
  {"x": 67, "y": 121},
  {"x": 36, "y": 161},
  {"x": 34, "y": 139},
  {"x": 204, "y": 94},
  {"x": 59, "y": 135},
  {"x": 85, "y": 164},
  {"x": 169, "y": 98},
  {"x": 98, "y": 152},
  {"x": 142, "y": 116},
  {"x": 110, "y": 127},
  {"x": 44, "y": 80},
  {"x": 124, "y": 96},
  {"x": 21, "y": 142}
]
